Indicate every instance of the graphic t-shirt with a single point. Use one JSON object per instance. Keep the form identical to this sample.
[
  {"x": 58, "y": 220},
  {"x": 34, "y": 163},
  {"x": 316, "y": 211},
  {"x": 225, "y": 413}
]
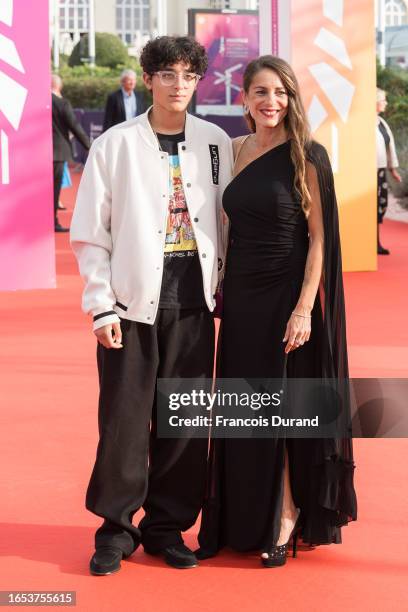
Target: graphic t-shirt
[{"x": 182, "y": 285}]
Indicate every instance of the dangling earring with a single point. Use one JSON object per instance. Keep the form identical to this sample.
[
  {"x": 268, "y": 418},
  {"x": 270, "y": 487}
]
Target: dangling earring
[{"x": 246, "y": 109}]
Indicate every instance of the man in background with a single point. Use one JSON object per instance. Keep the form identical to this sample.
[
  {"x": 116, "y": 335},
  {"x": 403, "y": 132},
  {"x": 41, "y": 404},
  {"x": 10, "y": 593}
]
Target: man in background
[
  {"x": 63, "y": 122},
  {"x": 125, "y": 103}
]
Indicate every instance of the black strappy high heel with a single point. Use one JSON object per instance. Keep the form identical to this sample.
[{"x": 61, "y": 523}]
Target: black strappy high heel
[{"x": 277, "y": 555}]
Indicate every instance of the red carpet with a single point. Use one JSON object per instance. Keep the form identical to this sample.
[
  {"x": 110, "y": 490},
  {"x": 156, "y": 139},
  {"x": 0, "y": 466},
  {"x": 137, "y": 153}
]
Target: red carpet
[{"x": 48, "y": 442}]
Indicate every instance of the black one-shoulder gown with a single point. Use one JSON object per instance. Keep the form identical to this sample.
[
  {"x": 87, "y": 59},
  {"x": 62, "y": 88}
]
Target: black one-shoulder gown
[{"x": 265, "y": 266}]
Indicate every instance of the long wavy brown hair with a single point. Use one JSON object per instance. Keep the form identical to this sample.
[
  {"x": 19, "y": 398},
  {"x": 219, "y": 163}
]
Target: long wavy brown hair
[{"x": 296, "y": 122}]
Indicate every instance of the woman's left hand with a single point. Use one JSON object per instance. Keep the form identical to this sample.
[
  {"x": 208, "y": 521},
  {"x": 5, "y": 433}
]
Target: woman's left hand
[
  {"x": 396, "y": 175},
  {"x": 297, "y": 332}
]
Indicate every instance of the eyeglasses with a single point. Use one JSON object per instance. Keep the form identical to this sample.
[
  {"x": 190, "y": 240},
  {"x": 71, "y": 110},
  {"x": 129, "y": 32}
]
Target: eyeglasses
[{"x": 169, "y": 77}]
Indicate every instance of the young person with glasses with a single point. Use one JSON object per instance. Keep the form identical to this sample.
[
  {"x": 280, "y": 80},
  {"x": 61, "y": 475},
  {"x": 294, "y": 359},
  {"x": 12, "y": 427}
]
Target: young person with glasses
[{"x": 147, "y": 233}]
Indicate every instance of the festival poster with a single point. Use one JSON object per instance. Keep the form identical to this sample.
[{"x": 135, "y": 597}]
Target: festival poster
[
  {"x": 333, "y": 54},
  {"x": 27, "y": 247},
  {"x": 231, "y": 40}
]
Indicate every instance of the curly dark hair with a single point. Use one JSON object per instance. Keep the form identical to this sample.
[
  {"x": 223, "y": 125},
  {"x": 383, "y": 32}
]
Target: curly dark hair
[{"x": 165, "y": 51}]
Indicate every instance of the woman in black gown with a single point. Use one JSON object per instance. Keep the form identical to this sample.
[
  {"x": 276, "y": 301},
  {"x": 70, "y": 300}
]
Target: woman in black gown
[{"x": 283, "y": 311}]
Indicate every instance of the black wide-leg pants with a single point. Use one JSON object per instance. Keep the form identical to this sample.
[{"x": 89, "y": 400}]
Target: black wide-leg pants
[{"x": 134, "y": 467}]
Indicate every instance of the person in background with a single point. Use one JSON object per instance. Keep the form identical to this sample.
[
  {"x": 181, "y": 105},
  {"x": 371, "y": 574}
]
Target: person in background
[
  {"x": 63, "y": 122},
  {"x": 386, "y": 158},
  {"x": 125, "y": 103}
]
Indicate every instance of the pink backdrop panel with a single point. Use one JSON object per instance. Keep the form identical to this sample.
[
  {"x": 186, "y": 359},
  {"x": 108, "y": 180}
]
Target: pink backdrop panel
[{"x": 27, "y": 247}]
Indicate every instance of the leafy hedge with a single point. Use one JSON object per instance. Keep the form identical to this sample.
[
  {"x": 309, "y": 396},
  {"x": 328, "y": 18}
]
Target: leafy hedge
[
  {"x": 394, "y": 81},
  {"x": 88, "y": 88}
]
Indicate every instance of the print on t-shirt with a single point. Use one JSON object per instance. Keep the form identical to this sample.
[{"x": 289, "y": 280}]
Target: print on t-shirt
[
  {"x": 179, "y": 232},
  {"x": 182, "y": 281}
]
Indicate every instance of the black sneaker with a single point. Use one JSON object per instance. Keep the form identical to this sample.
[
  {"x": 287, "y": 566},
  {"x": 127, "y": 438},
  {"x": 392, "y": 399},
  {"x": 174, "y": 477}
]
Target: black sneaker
[
  {"x": 178, "y": 556},
  {"x": 106, "y": 560},
  {"x": 382, "y": 251},
  {"x": 203, "y": 553}
]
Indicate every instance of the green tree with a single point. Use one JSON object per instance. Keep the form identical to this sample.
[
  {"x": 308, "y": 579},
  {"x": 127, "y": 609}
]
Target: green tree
[
  {"x": 109, "y": 51},
  {"x": 394, "y": 81}
]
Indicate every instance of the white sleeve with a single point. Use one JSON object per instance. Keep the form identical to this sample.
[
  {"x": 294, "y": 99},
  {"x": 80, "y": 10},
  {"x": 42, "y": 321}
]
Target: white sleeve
[
  {"x": 225, "y": 174},
  {"x": 393, "y": 159},
  {"x": 91, "y": 238}
]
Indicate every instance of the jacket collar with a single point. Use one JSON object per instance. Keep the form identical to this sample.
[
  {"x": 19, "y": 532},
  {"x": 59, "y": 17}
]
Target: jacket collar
[{"x": 148, "y": 135}]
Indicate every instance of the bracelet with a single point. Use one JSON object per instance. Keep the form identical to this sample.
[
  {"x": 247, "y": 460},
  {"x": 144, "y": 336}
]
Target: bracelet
[{"x": 300, "y": 315}]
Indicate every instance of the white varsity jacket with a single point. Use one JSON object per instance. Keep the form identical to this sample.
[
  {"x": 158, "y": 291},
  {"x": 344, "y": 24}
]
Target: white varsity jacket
[{"x": 118, "y": 228}]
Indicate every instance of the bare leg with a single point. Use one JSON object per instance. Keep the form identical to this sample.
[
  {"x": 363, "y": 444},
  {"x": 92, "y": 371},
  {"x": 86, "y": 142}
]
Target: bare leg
[{"x": 289, "y": 510}]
